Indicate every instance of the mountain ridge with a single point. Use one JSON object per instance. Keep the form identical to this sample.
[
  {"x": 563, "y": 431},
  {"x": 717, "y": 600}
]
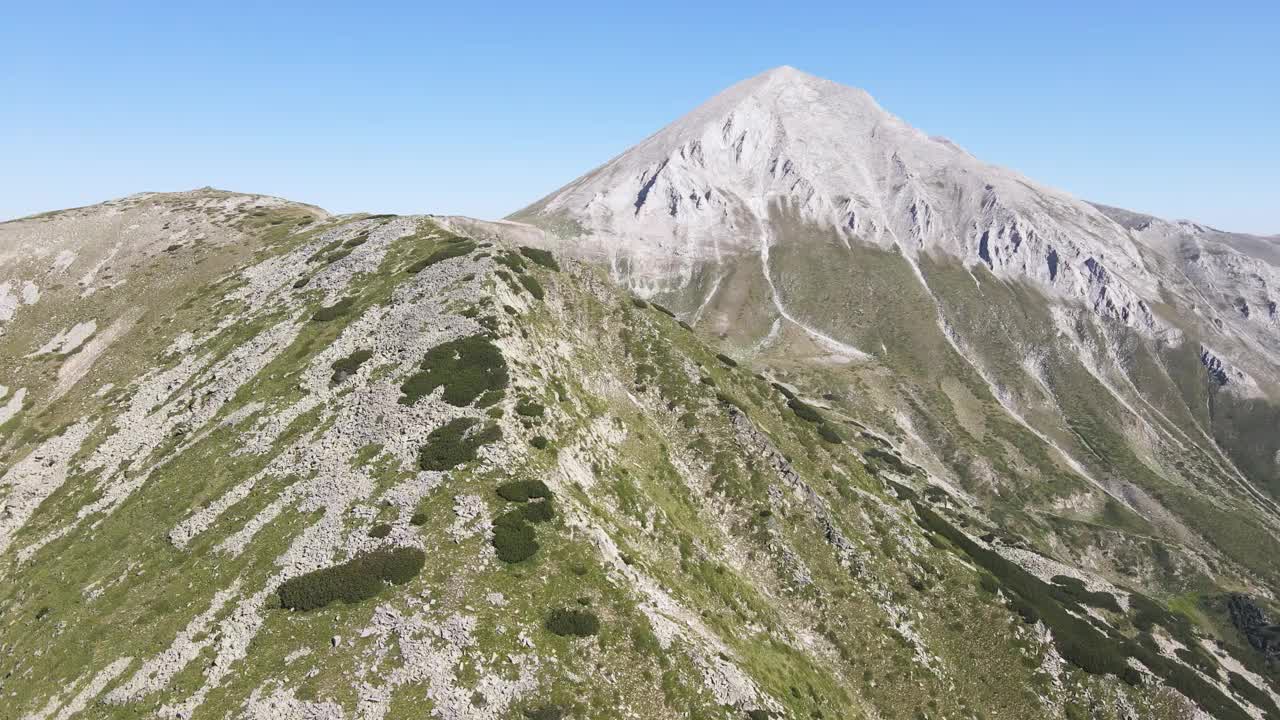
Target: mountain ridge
[{"x": 696, "y": 443}]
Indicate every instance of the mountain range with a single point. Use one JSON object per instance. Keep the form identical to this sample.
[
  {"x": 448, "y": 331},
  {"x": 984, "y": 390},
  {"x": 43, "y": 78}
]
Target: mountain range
[{"x": 790, "y": 411}]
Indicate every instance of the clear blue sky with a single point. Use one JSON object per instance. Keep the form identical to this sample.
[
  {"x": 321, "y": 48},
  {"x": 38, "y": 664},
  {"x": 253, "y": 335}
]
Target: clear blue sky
[{"x": 477, "y": 108}]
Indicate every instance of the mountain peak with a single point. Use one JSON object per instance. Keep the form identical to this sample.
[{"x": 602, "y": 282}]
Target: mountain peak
[
  {"x": 785, "y": 73},
  {"x": 708, "y": 186}
]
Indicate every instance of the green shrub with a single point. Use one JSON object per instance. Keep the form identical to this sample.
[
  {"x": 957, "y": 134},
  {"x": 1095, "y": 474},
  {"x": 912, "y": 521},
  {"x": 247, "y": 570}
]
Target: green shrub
[
  {"x": 529, "y": 408},
  {"x": 1072, "y": 590},
  {"x": 523, "y": 490},
  {"x": 357, "y": 241},
  {"x": 380, "y": 530},
  {"x": 419, "y": 518},
  {"x": 539, "y": 442},
  {"x": 1029, "y": 614},
  {"x": 1068, "y": 582},
  {"x": 455, "y": 443},
  {"x": 885, "y": 457},
  {"x": 731, "y": 400},
  {"x": 452, "y": 247},
  {"x": 1198, "y": 659},
  {"x": 510, "y": 260},
  {"x": 786, "y": 392},
  {"x": 685, "y": 325},
  {"x": 358, "y": 579},
  {"x": 544, "y": 712},
  {"x": 662, "y": 309},
  {"x": 639, "y": 303},
  {"x": 988, "y": 583},
  {"x": 1247, "y": 690},
  {"x": 727, "y": 360},
  {"x": 467, "y": 368},
  {"x": 534, "y": 287},
  {"x": 828, "y": 433},
  {"x": 301, "y": 283},
  {"x": 513, "y": 538},
  {"x": 538, "y": 512},
  {"x": 334, "y": 311},
  {"x": 578, "y": 623},
  {"x": 334, "y": 257},
  {"x": 541, "y": 257},
  {"x": 490, "y": 398},
  {"x": 804, "y": 410},
  {"x": 347, "y": 366}
]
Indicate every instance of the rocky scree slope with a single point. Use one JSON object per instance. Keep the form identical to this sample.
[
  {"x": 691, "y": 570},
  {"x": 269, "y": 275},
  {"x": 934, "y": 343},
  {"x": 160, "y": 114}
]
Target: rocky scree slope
[{"x": 380, "y": 467}]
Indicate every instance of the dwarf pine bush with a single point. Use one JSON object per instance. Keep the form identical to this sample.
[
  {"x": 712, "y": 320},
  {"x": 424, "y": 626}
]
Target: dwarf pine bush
[
  {"x": 541, "y": 257},
  {"x": 523, "y": 490},
  {"x": 529, "y": 408},
  {"x": 334, "y": 311},
  {"x": 513, "y": 539},
  {"x": 455, "y": 443},
  {"x": 360, "y": 578},
  {"x": 577, "y": 623},
  {"x": 534, "y": 287},
  {"x": 452, "y": 247},
  {"x": 347, "y": 366},
  {"x": 538, "y": 512},
  {"x": 467, "y": 368}
]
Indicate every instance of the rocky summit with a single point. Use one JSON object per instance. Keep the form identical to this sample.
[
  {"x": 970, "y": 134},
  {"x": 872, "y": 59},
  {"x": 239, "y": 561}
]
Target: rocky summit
[{"x": 790, "y": 411}]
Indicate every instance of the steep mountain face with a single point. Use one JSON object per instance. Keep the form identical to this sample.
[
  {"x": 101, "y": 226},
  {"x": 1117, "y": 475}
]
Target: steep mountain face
[{"x": 710, "y": 185}]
